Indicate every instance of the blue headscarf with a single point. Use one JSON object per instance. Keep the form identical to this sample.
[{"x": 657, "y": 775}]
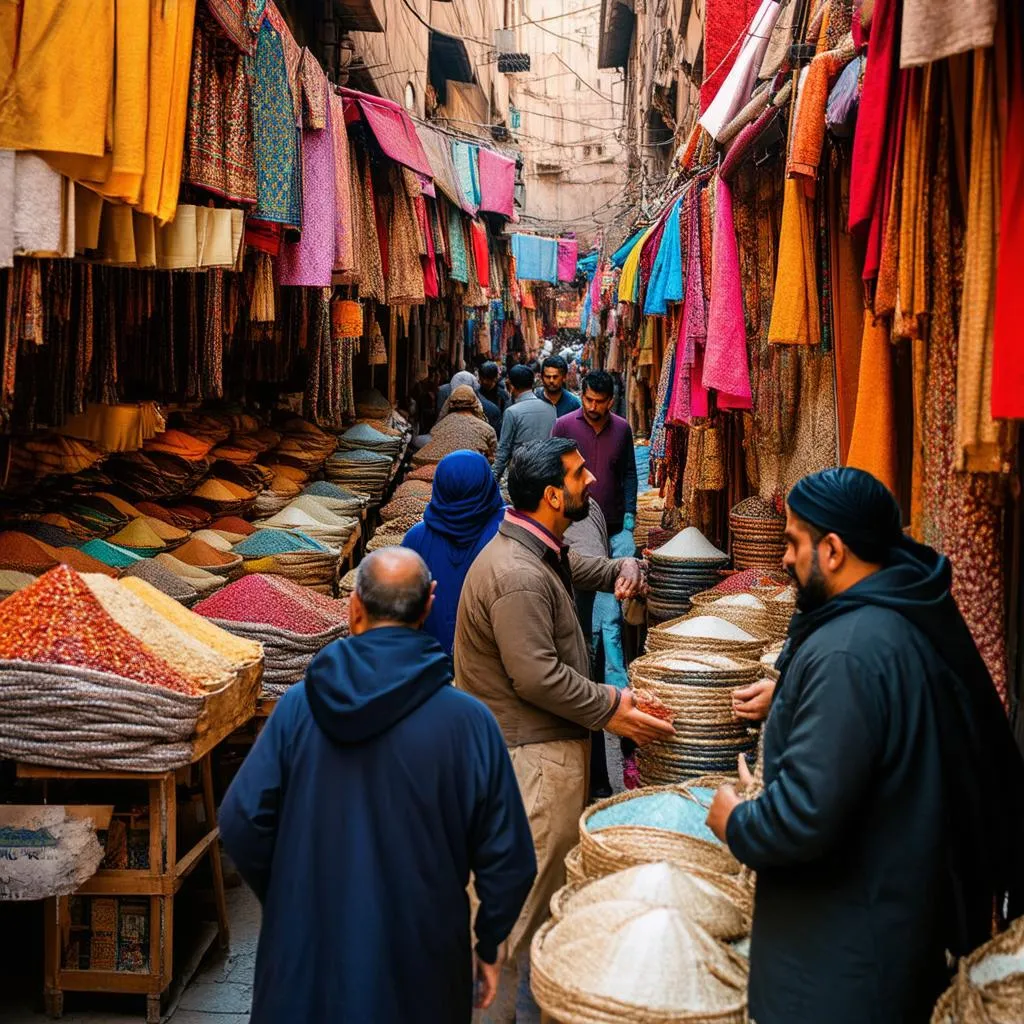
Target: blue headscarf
[{"x": 463, "y": 515}]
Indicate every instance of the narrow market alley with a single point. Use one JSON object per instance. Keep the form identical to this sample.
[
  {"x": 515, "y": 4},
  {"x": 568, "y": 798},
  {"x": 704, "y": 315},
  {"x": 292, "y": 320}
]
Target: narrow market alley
[{"x": 514, "y": 509}]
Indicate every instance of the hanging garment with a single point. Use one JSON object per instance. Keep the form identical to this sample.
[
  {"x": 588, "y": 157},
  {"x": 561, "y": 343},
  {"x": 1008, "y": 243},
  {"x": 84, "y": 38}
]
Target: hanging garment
[
  {"x": 978, "y": 435},
  {"x": 467, "y": 170},
  {"x": 568, "y": 253},
  {"x": 735, "y": 90},
  {"x": 275, "y": 137},
  {"x": 457, "y": 244},
  {"x": 369, "y": 264},
  {"x": 239, "y": 21},
  {"x": 536, "y": 258},
  {"x": 796, "y": 313},
  {"x": 219, "y": 151},
  {"x": 497, "y": 182},
  {"x": 726, "y": 368},
  {"x": 629, "y": 279},
  {"x": 405, "y": 276},
  {"x": 344, "y": 256},
  {"x": 725, "y": 22},
  {"x": 57, "y": 97},
  {"x": 934, "y": 29},
  {"x": 309, "y": 262},
  {"x": 481, "y": 254},
  {"x": 666, "y": 284},
  {"x": 873, "y": 440},
  {"x": 43, "y": 221}
]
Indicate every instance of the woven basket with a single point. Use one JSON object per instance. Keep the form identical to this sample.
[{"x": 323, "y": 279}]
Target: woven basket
[
  {"x": 574, "y": 872},
  {"x": 660, "y": 640},
  {"x": 999, "y": 1001},
  {"x": 624, "y": 846}
]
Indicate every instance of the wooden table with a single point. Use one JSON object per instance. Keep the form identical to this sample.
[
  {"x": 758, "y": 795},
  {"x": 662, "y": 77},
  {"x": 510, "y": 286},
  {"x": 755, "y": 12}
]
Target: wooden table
[{"x": 160, "y": 882}]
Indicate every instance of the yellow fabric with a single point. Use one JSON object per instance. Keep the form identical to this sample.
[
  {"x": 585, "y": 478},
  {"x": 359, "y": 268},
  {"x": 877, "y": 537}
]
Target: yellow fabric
[
  {"x": 977, "y": 434},
  {"x": 170, "y": 56},
  {"x": 117, "y": 236},
  {"x": 912, "y": 297},
  {"x": 10, "y": 13},
  {"x": 630, "y": 269},
  {"x": 88, "y": 215},
  {"x": 796, "y": 314},
  {"x": 115, "y": 428},
  {"x": 58, "y": 96},
  {"x": 873, "y": 445}
]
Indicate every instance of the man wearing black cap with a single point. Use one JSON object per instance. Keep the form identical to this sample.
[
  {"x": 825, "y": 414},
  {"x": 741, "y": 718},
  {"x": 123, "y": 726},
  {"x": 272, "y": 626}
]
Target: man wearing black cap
[{"x": 890, "y": 830}]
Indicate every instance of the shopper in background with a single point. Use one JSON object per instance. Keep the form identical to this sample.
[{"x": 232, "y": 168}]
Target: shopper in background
[
  {"x": 463, "y": 514},
  {"x": 494, "y": 391},
  {"x": 519, "y": 647},
  {"x": 445, "y": 390},
  {"x": 606, "y": 442},
  {"x": 890, "y": 831},
  {"x": 373, "y": 792},
  {"x": 466, "y": 379},
  {"x": 553, "y": 373},
  {"x": 526, "y": 419}
]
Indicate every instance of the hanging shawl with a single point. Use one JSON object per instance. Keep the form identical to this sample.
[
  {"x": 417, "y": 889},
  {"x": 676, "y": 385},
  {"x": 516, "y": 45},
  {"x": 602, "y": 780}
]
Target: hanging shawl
[{"x": 666, "y": 284}]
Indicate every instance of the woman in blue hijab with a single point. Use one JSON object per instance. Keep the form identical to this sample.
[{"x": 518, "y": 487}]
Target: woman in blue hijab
[{"x": 463, "y": 515}]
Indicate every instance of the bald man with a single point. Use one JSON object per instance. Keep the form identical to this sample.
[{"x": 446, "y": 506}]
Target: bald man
[{"x": 374, "y": 791}]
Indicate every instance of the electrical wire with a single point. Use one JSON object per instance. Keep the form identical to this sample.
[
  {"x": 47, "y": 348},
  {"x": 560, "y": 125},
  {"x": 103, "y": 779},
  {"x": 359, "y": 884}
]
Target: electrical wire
[
  {"x": 607, "y": 99},
  {"x": 426, "y": 24}
]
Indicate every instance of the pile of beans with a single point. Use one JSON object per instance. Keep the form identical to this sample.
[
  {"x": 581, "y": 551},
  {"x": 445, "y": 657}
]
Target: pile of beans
[{"x": 57, "y": 620}]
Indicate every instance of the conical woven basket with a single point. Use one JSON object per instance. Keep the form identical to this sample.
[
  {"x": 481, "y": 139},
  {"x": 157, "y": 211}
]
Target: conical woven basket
[{"x": 663, "y": 638}]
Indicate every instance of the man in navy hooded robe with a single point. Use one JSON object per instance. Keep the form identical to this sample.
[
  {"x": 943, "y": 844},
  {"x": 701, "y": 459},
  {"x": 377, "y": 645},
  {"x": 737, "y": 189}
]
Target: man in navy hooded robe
[{"x": 374, "y": 791}]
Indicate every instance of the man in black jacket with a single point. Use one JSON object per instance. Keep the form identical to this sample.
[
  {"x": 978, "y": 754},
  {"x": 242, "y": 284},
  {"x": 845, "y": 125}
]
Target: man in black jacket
[{"x": 890, "y": 826}]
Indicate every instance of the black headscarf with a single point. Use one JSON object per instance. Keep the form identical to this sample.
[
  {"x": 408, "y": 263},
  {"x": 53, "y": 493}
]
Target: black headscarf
[{"x": 985, "y": 777}]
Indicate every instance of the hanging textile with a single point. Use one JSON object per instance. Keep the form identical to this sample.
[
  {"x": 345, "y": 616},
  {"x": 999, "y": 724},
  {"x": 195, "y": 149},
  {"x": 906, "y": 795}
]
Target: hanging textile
[
  {"x": 369, "y": 263},
  {"x": 405, "y": 269},
  {"x": 344, "y": 256},
  {"x": 536, "y": 258},
  {"x": 737, "y": 86},
  {"x": 568, "y": 250},
  {"x": 274, "y": 131},
  {"x": 239, "y": 21},
  {"x": 873, "y": 440},
  {"x": 796, "y": 314},
  {"x": 481, "y": 253},
  {"x": 978, "y": 435},
  {"x": 219, "y": 152},
  {"x": 629, "y": 279},
  {"x": 393, "y": 129},
  {"x": 935, "y": 29},
  {"x": 497, "y": 182},
  {"x": 725, "y": 22},
  {"x": 726, "y": 369},
  {"x": 309, "y": 262},
  {"x": 666, "y": 284},
  {"x": 457, "y": 244},
  {"x": 53, "y": 48},
  {"x": 465, "y": 158}
]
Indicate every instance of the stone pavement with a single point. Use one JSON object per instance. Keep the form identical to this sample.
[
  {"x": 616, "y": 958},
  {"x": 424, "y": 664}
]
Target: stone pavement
[{"x": 220, "y": 993}]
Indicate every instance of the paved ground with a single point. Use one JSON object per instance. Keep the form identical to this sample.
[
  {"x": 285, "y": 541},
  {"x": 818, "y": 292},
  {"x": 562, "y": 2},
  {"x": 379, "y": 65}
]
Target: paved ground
[{"x": 220, "y": 993}]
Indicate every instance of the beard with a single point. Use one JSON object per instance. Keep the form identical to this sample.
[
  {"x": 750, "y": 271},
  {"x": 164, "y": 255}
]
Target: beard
[
  {"x": 575, "y": 511},
  {"x": 813, "y": 594}
]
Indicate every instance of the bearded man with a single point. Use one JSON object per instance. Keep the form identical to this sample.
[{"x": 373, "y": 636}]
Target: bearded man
[
  {"x": 520, "y": 649},
  {"x": 890, "y": 831}
]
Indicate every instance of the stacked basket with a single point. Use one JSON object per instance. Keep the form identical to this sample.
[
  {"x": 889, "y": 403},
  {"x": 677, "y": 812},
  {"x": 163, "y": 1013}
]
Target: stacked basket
[
  {"x": 686, "y": 565},
  {"x": 361, "y": 470},
  {"x": 698, "y": 689},
  {"x": 757, "y": 540},
  {"x": 650, "y": 507},
  {"x": 699, "y": 633}
]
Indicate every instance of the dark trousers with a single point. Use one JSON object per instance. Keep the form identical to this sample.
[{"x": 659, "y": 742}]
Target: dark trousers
[{"x": 598, "y": 763}]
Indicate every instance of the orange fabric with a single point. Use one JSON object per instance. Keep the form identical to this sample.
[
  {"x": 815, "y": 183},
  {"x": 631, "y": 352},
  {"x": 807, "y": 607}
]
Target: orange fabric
[
  {"x": 873, "y": 444},
  {"x": 809, "y": 127},
  {"x": 796, "y": 313}
]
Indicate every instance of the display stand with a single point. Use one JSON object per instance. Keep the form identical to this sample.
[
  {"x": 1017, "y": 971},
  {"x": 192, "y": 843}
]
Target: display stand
[{"x": 160, "y": 882}]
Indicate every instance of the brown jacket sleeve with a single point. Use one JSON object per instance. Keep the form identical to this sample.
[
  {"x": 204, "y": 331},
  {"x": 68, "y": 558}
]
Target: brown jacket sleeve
[
  {"x": 592, "y": 572},
  {"x": 522, "y": 624}
]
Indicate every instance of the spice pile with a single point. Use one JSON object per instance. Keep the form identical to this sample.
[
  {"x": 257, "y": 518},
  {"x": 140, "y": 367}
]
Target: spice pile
[
  {"x": 293, "y": 555},
  {"x": 292, "y": 622},
  {"x": 686, "y": 565}
]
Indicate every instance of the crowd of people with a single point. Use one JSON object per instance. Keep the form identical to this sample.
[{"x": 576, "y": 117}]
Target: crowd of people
[{"x": 405, "y": 815}]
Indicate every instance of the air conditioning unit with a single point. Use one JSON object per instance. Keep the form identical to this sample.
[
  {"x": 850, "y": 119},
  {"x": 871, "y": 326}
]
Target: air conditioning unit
[{"x": 513, "y": 63}]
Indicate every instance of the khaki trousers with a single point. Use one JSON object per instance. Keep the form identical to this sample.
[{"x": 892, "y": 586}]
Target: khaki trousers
[{"x": 553, "y": 783}]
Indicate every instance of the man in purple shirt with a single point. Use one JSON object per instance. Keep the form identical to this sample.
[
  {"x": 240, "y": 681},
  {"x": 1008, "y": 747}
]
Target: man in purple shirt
[{"x": 606, "y": 443}]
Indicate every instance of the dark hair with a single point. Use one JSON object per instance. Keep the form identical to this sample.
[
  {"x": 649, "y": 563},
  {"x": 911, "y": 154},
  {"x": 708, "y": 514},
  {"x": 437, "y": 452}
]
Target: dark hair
[
  {"x": 600, "y": 382},
  {"x": 556, "y": 363},
  {"x": 534, "y": 467},
  {"x": 488, "y": 371},
  {"x": 386, "y": 600},
  {"x": 521, "y": 377}
]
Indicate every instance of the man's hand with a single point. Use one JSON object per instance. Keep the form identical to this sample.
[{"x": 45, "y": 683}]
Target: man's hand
[
  {"x": 725, "y": 802},
  {"x": 487, "y": 978},
  {"x": 630, "y": 582},
  {"x": 636, "y": 725},
  {"x": 752, "y": 703}
]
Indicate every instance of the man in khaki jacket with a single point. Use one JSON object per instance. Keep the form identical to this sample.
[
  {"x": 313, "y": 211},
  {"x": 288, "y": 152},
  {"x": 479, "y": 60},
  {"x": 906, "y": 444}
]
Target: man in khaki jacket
[{"x": 520, "y": 649}]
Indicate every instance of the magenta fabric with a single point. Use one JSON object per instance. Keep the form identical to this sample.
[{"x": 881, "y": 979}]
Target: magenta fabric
[
  {"x": 568, "y": 250},
  {"x": 497, "y": 182},
  {"x": 309, "y": 262},
  {"x": 687, "y": 387},
  {"x": 725, "y": 357},
  {"x": 393, "y": 129}
]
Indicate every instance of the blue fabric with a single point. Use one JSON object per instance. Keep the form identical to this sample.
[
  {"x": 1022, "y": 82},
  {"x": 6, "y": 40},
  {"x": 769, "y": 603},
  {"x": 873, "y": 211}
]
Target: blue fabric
[
  {"x": 467, "y": 167},
  {"x": 608, "y": 619},
  {"x": 463, "y": 515},
  {"x": 621, "y": 254},
  {"x": 373, "y": 791},
  {"x": 666, "y": 284},
  {"x": 536, "y": 258},
  {"x": 588, "y": 265}
]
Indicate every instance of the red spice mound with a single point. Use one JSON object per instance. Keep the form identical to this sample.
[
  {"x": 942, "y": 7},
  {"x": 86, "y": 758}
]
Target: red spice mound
[
  {"x": 198, "y": 552},
  {"x": 57, "y": 620},
  {"x": 748, "y": 579},
  {"x": 233, "y": 524},
  {"x": 20, "y": 551},
  {"x": 329, "y": 607},
  {"x": 650, "y": 704},
  {"x": 261, "y": 600}
]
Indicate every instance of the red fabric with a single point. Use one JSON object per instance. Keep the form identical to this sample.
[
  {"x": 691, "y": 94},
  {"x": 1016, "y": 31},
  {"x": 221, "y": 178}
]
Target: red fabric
[
  {"x": 872, "y": 139},
  {"x": 481, "y": 255},
  {"x": 263, "y": 236},
  {"x": 392, "y": 127},
  {"x": 1008, "y": 354},
  {"x": 430, "y": 283},
  {"x": 725, "y": 22}
]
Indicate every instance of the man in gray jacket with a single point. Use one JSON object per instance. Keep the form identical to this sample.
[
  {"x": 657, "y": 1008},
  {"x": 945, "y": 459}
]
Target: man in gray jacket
[
  {"x": 526, "y": 419},
  {"x": 520, "y": 649}
]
